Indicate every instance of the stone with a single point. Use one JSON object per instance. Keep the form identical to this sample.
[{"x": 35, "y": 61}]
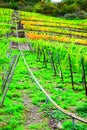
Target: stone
[{"x": 59, "y": 126}]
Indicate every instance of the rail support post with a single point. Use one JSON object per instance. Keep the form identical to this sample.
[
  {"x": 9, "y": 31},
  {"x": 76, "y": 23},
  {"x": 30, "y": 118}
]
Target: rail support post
[{"x": 73, "y": 123}]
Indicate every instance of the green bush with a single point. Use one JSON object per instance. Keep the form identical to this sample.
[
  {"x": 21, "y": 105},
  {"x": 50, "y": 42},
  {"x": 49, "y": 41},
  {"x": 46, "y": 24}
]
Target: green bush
[
  {"x": 46, "y": 8},
  {"x": 13, "y": 5},
  {"x": 81, "y": 14},
  {"x": 65, "y": 9},
  {"x": 82, "y": 109},
  {"x": 76, "y": 15},
  {"x": 4, "y": 5},
  {"x": 27, "y": 8},
  {"x": 37, "y": 8},
  {"x": 68, "y": 125},
  {"x": 70, "y": 16},
  {"x": 73, "y": 7}
]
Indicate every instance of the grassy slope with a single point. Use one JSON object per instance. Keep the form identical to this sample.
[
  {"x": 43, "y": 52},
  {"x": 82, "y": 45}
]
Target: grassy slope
[{"x": 12, "y": 114}]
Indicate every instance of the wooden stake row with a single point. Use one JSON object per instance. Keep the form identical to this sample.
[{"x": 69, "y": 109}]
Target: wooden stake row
[{"x": 54, "y": 66}]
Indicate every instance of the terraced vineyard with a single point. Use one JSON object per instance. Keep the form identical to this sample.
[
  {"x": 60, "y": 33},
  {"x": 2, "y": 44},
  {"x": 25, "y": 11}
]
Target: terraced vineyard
[
  {"x": 55, "y": 51},
  {"x": 55, "y": 29}
]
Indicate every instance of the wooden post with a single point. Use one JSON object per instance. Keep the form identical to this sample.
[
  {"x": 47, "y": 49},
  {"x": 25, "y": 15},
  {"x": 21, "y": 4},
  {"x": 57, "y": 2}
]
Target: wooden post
[
  {"x": 83, "y": 75},
  {"x": 30, "y": 45},
  {"x": 61, "y": 73},
  {"x": 53, "y": 64},
  {"x": 71, "y": 73},
  {"x": 44, "y": 60},
  {"x": 47, "y": 52},
  {"x": 83, "y": 80},
  {"x": 38, "y": 53},
  {"x": 9, "y": 80},
  {"x": 8, "y": 73}
]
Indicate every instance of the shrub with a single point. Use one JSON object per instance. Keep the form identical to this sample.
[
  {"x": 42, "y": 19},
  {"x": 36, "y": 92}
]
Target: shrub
[
  {"x": 27, "y": 8},
  {"x": 4, "y": 5},
  {"x": 82, "y": 109},
  {"x": 76, "y": 15},
  {"x": 46, "y": 8},
  {"x": 81, "y": 14},
  {"x": 73, "y": 7},
  {"x": 65, "y": 9},
  {"x": 37, "y": 8},
  {"x": 13, "y": 5},
  {"x": 68, "y": 125},
  {"x": 70, "y": 16}
]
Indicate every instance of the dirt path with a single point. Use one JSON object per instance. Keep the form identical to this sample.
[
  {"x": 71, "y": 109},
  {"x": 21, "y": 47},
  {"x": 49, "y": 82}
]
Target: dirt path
[{"x": 31, "y": 114}]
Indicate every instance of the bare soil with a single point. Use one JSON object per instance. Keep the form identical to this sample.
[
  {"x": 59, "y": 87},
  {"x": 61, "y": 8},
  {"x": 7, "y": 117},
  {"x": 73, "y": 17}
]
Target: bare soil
[
  {"x": 31, "y": 112},
  {"x": 23, "y": 46}
]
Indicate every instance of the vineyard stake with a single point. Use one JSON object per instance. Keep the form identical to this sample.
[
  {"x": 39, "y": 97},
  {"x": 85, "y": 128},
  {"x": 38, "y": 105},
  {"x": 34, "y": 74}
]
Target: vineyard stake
[
  {"x": 61, "y": 73},
  {"x": 71, "y": 73},
  {"x": 83, "y": 75},
  {"x": 53, "y": 64},
  {"x": 44, "y": 60},
  {"x": 9, "y": 80},
  {"x": 8, "y": 73},
  {"x": 38, "y": 53}
]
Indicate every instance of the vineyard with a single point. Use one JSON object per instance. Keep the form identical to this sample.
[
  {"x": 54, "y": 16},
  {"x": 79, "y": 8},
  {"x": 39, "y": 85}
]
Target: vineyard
[
  {"x": 43, "y": 62},
  {"x": 55, "y": 29}
]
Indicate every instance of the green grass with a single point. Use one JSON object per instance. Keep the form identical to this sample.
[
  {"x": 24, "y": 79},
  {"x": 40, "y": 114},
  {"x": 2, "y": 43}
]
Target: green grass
[{"x": 39, "y": 126}]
